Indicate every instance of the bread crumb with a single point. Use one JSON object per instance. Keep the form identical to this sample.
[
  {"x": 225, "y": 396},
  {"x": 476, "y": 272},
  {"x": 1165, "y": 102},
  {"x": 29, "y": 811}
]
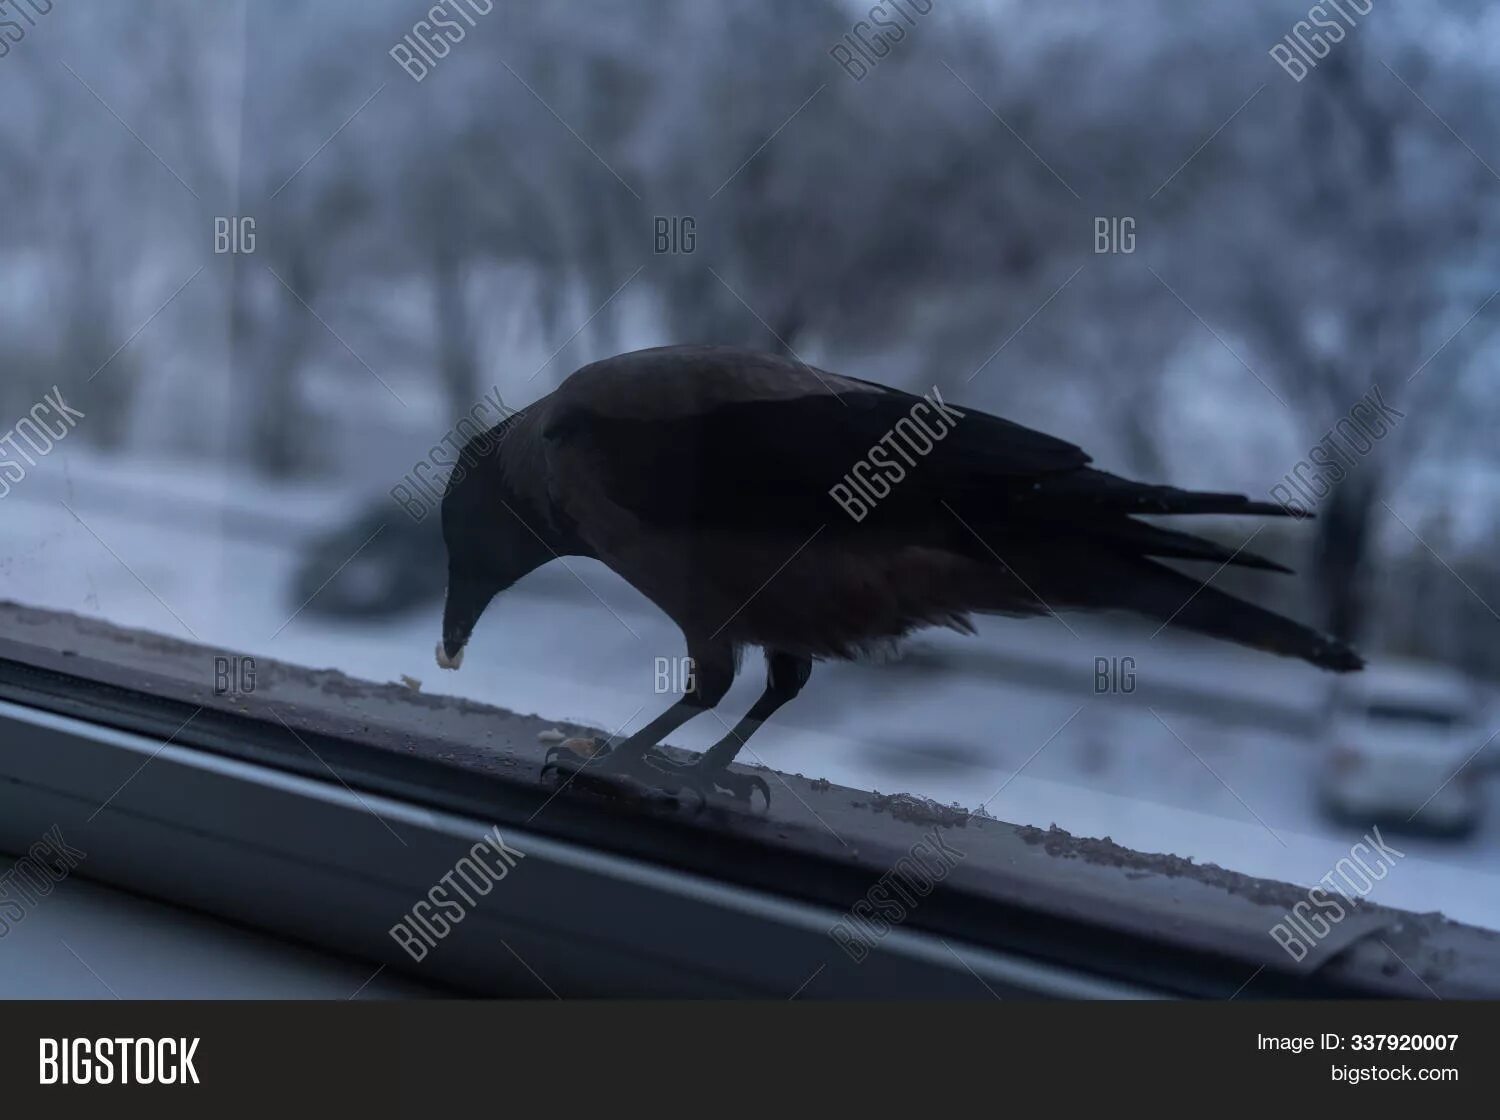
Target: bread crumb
[{"x": 587, "y": 748}]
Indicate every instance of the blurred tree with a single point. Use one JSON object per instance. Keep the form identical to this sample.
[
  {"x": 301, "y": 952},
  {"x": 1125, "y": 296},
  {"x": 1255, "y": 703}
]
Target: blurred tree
[{"x": 1346, "y": 267}]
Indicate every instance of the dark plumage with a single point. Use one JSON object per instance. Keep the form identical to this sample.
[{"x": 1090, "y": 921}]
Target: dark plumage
[{"x": 702, "y": 475}]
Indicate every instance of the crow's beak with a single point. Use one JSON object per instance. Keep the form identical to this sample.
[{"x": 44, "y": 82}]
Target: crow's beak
[{"x": 465, "y": 602}]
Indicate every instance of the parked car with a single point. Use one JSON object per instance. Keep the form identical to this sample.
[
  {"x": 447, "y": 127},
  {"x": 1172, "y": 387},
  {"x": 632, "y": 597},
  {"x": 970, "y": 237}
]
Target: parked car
[
  {"x": 380, "y": 563},
  {"x": 1399, "y": 747}
]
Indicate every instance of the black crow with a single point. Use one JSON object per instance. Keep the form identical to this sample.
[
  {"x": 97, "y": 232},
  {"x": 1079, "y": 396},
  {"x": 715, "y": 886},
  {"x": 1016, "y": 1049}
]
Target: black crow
[{"x": 760, "y": 501}]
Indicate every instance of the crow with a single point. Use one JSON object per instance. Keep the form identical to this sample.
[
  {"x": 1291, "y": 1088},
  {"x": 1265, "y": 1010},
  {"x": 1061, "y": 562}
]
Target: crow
[{"x": 760, "y": 501}]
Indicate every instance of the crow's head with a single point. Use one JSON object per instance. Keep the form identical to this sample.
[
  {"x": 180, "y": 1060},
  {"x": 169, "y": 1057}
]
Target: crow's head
[{"x": 494, "y": 535}]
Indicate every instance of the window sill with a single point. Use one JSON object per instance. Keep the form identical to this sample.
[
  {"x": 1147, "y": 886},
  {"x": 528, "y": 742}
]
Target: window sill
[{"x": 322, "y": 807}]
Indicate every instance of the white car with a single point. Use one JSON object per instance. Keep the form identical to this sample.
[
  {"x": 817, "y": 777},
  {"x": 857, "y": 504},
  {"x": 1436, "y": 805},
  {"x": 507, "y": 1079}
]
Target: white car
[{"x": 1399, "y": 746}]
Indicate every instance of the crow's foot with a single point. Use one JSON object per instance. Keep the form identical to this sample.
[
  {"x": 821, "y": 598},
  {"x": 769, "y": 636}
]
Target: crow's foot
[
  {"x": 655, "y": 778},
  {"x": 587, "y": 765},
  {"x": 712, "y": 783}
]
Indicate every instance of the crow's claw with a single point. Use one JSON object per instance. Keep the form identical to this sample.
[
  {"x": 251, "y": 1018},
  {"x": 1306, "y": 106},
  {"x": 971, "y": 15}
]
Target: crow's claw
[
  {"x": 741, "y": 786},
  {"x": 551, "y": 761}
]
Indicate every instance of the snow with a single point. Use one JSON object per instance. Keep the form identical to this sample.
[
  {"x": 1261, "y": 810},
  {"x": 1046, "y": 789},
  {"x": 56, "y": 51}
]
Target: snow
[{"x": 1209, "y": 758}]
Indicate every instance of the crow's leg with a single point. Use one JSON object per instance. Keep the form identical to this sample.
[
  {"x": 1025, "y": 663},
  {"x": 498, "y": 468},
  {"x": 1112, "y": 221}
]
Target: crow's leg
[
  {"x": 786, "y": 673},
  {"x": 626, "y": 765}
]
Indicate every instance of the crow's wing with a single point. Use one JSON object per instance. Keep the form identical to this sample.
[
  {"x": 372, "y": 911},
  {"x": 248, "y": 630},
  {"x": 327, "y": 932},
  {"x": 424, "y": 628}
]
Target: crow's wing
[
  {"x": 772, "y": 462},
  {"x": 706, "y": 437}
]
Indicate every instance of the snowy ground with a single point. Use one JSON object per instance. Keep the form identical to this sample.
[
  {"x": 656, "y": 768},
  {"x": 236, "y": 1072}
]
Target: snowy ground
[{"x": 1206, "y": 759}]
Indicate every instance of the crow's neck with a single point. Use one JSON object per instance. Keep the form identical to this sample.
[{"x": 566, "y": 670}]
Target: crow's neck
[{"x": 521, "y": 464}]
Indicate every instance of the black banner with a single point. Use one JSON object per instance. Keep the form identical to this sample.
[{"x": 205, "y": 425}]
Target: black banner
[{"x": 248, "y": 1059}]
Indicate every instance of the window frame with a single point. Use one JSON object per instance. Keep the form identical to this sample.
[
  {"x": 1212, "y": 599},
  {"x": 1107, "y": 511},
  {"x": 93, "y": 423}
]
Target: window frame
[{"x": 617, "y": 902}]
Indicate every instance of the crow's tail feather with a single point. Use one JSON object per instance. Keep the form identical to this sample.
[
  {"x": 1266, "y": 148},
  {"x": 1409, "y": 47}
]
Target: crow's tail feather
[
  {"x": 1142, "y": 539},
  {"x": 1099, "y": 490},
  {"x": 1180, "y": 601}
]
